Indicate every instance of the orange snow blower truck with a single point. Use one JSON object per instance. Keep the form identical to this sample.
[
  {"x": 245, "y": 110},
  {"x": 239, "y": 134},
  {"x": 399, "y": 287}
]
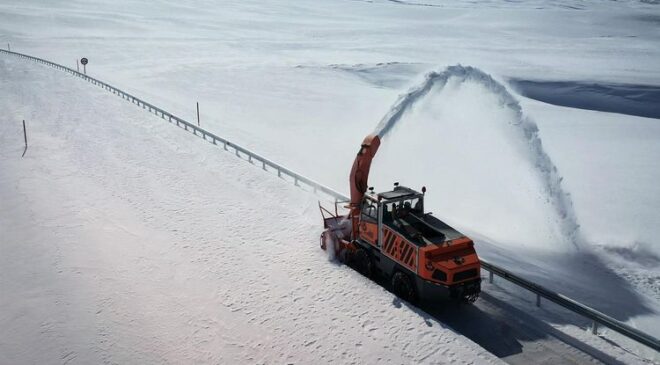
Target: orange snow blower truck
[{"x": 390, "y": 234}]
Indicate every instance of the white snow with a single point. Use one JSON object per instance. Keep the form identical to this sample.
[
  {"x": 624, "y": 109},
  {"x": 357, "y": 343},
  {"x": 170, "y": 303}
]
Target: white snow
[
  {"x": 125, "y": 240},
  {"x": 303, "y": 83},
  {"x": 478, "y": 127}
]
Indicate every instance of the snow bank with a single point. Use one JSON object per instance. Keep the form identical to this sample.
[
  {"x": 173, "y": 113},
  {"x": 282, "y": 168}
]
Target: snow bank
[{"x": 488, "y": 110}]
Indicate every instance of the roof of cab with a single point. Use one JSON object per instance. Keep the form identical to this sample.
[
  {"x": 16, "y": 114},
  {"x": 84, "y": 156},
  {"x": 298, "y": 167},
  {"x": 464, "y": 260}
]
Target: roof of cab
[{"x": 398, "y": 193}]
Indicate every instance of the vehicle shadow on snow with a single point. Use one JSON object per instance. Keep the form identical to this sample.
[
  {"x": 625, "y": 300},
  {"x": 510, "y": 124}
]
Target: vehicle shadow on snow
[
  {"x": 504, "y": 330},
  {"x": 581, "y": 276},
  {"x": 522, "y": 332},
  {"x": 507, "y": 331}
]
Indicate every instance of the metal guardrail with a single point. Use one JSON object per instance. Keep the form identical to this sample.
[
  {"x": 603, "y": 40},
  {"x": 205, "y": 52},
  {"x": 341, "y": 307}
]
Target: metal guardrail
[
  {"x": 541, "y": 292},
  {"x": 196, "y": 130},
  {"x": 595, "y": 316}
]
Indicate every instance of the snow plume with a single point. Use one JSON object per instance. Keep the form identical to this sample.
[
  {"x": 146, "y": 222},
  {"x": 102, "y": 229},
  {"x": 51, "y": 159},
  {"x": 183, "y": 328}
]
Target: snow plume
[
  {"x": 330, "y": 242},
  {"x": 481, "y": 126},
  {"x": 332, "y": 235}
]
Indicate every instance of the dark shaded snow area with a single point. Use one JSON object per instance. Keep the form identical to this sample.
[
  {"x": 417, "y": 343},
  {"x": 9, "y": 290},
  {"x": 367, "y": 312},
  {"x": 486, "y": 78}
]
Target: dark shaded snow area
[{"x": 639, "y": 100}]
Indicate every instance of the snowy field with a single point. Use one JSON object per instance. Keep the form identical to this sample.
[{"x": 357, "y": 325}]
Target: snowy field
[
  {"x": 303, "y": 83},
  {"x": 113, "y": 252}
]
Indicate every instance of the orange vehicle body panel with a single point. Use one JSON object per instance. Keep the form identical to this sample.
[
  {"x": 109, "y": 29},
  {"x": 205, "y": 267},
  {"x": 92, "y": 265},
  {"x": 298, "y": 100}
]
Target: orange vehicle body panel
[
  {"x": 400, "y": 249},
  {"x": 369, "y": 232},
  {"x": 360, "y": 175},
  {"x": 454, "y": 256}
]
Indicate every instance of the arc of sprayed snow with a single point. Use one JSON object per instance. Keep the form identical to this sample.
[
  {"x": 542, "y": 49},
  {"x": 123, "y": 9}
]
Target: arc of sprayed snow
[
  {"x": 558, "y": 197},
  {"x": 407, "y": 100}
]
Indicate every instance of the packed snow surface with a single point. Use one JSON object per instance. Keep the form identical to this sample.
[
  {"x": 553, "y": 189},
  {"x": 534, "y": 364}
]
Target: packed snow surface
[
  {"x": 112, "y": 252},
  {"x": 304, "y": 82}
]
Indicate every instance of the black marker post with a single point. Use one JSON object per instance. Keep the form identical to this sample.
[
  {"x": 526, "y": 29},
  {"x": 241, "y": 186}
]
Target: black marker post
[{"x": 84, "y": 63}]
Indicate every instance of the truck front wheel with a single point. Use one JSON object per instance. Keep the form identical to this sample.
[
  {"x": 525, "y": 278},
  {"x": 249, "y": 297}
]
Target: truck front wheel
[
  {"x": 361, "y": 262},
  {"x": 403, "y": 287}
]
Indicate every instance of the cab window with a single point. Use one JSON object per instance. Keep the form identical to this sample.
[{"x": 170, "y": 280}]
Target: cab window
[{"x": 369, "y": 209}]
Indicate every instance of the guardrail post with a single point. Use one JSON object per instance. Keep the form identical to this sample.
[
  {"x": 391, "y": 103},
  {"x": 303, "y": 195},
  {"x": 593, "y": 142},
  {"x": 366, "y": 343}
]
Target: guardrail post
[
  {"x": 594, "y": 327},
  {"x": 295, "y": 180},
  {"x": 250, "y": 158},
  {"x": 225, "y": 145},
  {"x": 263, "y": 164},
  {"x": 279, "y": 172},
  {"x": 490, "y": 277},
  {"x": 538, "y": 300}
]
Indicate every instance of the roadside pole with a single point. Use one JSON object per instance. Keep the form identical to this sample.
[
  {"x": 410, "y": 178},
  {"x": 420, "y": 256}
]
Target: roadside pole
[
  {"x": 84, "y": 63},
  {"x": 25, "y": 138}
]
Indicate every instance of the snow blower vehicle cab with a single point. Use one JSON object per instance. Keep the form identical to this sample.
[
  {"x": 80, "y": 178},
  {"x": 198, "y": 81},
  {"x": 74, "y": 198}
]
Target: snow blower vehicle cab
[{"x": 390, "y": 234}]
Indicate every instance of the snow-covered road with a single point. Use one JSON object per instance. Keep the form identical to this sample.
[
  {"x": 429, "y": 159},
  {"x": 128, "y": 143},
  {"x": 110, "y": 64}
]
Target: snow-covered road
[
  {"x": 302, "y": 83},
  {"x": 127, "y": 241}
]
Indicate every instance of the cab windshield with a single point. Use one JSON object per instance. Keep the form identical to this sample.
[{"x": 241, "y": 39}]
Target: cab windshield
[{"x": 401, "y": 208}]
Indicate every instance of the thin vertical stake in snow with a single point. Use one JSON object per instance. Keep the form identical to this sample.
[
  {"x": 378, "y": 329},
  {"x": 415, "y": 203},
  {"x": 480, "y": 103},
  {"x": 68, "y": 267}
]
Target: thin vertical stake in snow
[
  {"x": 198, "y": 113},
  {"x": 25, "y": 137}
]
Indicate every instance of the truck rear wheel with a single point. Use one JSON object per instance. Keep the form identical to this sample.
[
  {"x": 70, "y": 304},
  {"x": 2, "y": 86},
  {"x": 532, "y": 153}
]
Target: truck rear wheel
[
  {"x": 403, "y": 287},
  {"x": 361, "y": 262}
]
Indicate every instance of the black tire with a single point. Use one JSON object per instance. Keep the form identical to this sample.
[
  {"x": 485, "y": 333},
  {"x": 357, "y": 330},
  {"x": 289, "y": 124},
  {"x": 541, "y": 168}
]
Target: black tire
[
  {"x": 470, "y": 298},
  {"x": 404, "y": 287},
  {"x": 361, "y": 262}
]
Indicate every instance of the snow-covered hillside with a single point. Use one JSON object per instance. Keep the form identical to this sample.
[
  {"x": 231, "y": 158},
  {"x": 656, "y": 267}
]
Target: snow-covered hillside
[{"x": 303, "y": 83}]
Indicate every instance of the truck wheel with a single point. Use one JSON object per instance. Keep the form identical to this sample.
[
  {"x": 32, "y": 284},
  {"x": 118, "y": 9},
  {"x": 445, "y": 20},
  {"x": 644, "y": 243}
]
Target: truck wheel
[
  {"x": 361, "y": 262},
  {"x": 404, "y": 287}
]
